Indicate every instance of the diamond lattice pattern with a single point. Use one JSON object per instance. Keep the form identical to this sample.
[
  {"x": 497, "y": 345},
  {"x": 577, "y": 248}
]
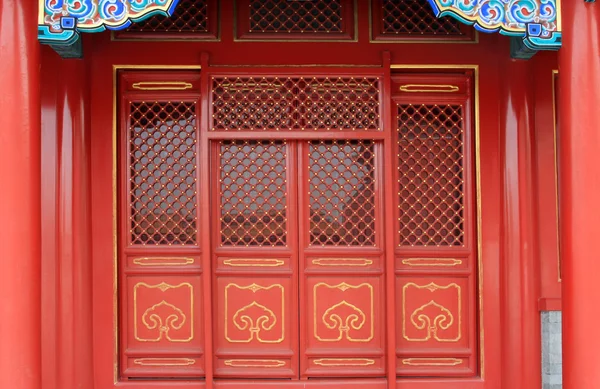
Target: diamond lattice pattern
[
  {"x": 189, "y": 16},
  {"x": 415, "y": 17},
  {"x": 253, "y": 193},
  {"x": 431, "y": 191},
  {"x": 342, "y": 199},
  {"x": 162, "y": 168},
  {"x": 324, "y": 16},
  {"x": 303, "y": 103}
]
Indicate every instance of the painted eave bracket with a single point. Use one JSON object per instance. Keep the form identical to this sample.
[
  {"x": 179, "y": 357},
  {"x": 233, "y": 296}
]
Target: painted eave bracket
[
  {"x": 60, "y": 22},
  {"x": 536, "y": 22}
]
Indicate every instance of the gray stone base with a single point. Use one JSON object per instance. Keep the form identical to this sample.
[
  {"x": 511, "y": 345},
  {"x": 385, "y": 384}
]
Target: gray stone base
[{"x": 551, "y": 350}]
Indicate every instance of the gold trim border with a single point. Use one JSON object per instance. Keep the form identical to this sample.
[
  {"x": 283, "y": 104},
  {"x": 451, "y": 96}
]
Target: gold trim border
[
  {"x": 162, "y": 85},
  {"x": 440, "y": 262},
  {"x": 264, "y": 363},
  {"x": 428, "y": 88},
  {"x": 254, "y": 262},
  {"x": 432, "y": 361},
  {"x": 555, "y": 140},
  {"x": 351, "y": 262},
  {"x": 163, "y": 261},
  {"x": 333, "y": 362},
  {"x": 164, "y": 361}
]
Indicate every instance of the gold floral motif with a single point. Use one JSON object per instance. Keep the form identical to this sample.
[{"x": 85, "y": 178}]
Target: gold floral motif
[
  {"x": 255, "y": 318},
  {"x": 164, "y": 317},
  {"x": 343, "y": 316},
  {"x": 422, "y": 318}
]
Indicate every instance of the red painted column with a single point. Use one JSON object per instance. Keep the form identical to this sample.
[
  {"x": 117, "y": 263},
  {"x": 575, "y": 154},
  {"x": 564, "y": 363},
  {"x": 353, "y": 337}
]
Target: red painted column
[
  {"x": 521, "y": 351},
  {"x": 579, "y": 191},
  {"x": 19, "y": 196}
]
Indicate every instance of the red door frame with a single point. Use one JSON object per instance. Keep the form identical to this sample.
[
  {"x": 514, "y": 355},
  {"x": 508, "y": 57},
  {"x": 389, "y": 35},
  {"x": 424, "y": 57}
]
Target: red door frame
[{"x": 105, "y": 57}]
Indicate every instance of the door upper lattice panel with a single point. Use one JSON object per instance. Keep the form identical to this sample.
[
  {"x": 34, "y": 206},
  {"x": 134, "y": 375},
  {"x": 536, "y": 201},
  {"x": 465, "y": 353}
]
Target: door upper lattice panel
[
  {"x": 253, "y": 193},
  {"x": 162, "y": 168},
  {"x": 431, "y": 149},
  {"x": 296, "y": 103},
  {"x": 342, "y": 193}
]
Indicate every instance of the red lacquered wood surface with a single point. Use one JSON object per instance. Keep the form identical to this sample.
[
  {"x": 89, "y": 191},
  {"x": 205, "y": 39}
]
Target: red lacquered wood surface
[
  {"x": 20, "y": 235},
  {"x": 579, "y": 81}
]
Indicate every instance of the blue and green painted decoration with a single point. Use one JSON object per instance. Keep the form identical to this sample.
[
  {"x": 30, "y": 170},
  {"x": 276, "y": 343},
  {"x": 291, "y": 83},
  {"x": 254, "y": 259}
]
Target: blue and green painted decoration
[{"x": 536, "y": 21}]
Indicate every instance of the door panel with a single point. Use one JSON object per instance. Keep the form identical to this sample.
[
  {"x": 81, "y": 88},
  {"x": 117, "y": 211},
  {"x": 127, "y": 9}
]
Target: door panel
[
  {"x": 255, "y": 311},
  {"x": 342, "y": 294}
]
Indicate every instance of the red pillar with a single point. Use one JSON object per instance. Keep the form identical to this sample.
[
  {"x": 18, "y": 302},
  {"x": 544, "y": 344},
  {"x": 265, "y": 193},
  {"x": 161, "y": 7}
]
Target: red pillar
[
  {"x": 521, "y": 351},
  {"x": 19, "y": 196},
  {"x": 579, "y": 191}
]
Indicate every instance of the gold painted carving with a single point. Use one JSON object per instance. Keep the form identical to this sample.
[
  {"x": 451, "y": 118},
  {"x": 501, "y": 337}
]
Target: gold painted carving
[
  {"x": 423, "y": 319},
  {"x": 343, "y": 316},
  {"x": 432, "y": 261},
  {"x": 163, "y": 316},
  {"x": 416, "y": 88},
  {"x": 164, "y": 361},
  {"x": 432, "y": 361},
  {"x": 163, "y": 261},
  {"x": 162, "y": 85},
  {"x": 255, "y": 318},
  {"x": 342, "y": 262},
  {"x": 253, "y": 262},
  {"x": 254, "y": 363},
  {"x": 344, "y": 362}
]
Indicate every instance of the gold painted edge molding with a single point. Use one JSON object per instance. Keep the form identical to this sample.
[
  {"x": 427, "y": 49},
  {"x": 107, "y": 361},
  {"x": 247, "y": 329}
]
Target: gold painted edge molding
[
  {"x": 162, "y": 85},
  {"x": 164, "y": 361},
  {"x": 268, "y": 363},
  {"x": 424, "y": 88},
  {"x": 437, "y": 261},
  {"x": 163, "y": 261},
  {"x": 344, "y": 361},
  {"x": 254, "y": 262},
  {"x": 348, "y": 262},
  {"x": 432, "y": 361}
]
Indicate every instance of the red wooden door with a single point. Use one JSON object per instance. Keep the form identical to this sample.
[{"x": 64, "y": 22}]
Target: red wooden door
[
  {"x": 299, "y": 260},
  {"x": 270, "y": 248}
]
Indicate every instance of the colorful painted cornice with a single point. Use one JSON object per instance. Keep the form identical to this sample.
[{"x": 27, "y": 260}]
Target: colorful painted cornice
[
  {"x": 537, "y": 21},
  {"x": 61, "y": 21}
]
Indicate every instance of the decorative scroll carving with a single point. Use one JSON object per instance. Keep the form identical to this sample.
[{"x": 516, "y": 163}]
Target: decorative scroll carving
[
  {"x": 433, "y": 320},
  {"x": 164, "y": 361},
  {"x": 254, "y": 313},
  {"x": 61, "y": 21},
  {"x": 432, "y": 361},
  {"x": 166, "y": 319},
  {"x": 538, "y": 21},
  {"x": 350, "y": 318}
]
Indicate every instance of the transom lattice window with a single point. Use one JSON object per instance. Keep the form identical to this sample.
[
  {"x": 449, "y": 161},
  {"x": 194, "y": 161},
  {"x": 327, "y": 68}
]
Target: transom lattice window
[
  {"x": 162, "y": 168},
  {"x": 431, "y": 149},
  {"x": 298, "y": 103},
  {"x": 296, "y": 16},
  {"x": 191, "y": 19},
  {"x": 342, "y": 193},
  {"x": 253, "y": 193}
]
